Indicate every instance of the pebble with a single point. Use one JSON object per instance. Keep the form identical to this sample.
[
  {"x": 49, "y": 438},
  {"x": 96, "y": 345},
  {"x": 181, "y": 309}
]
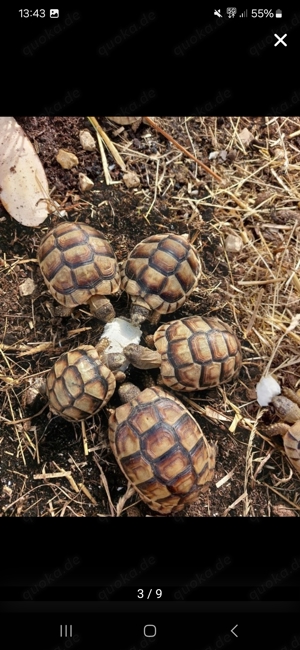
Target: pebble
[{"x": 66, "y": 159}]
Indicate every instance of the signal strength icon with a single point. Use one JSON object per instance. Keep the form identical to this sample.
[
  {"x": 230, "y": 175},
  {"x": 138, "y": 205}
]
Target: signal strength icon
[{"x": 244, "y": 14}]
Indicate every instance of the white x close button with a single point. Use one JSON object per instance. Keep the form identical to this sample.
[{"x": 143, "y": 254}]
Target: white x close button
[{"x": 280, "y": 40}]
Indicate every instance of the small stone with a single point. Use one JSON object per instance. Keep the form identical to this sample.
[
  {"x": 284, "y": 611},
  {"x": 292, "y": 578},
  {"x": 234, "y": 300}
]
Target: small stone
[
  {"x": 36, "y": 389},
  {"x": 279, "y": 153},
  {"x": 86, "y": 140},
  {"x": 246, "y": 137},
  {"x": 85, "y": 183},
  {"x": 7, "y": 491},
  {"x": 27, "y": 287},
  {"x": 124, "y": 120},
  {"x": 54, "y": 208},
  {"x": 66, "y": 159},
  {"x": 281, "y": 510},
  {"x": 131, "y": 179},
  {"x": 133, "y": 512},
  {"x": 223, "y": 155},
  {"x": 233, "y": 244}
]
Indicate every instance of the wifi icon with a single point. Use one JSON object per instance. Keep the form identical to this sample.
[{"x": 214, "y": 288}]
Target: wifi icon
[{"x": 244, "y": 14}]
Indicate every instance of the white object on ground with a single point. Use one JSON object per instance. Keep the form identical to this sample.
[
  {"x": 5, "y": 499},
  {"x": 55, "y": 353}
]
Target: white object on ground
[
  {"x": 266, "y": 389},
  {"x": 120, "y": 332}
]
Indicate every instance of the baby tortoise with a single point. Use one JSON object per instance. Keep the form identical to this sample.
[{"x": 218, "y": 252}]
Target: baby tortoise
[
  {"x": 79, "y": 268},
  {"x": 80, "y": 384},
  {"x": 193, "y": 353},
  {"x": 160, "y": 448},
  {"x": 159, "y": 274}
]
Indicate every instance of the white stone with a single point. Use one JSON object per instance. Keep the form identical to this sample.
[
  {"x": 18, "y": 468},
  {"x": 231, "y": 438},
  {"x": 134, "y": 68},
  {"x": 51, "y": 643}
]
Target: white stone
[
  {"x": 85, "y": 183},
  {"x": 86, "y": 140},
  {"x": 131, "y": 179},
  {"x": 27, "y": 287},
  {"x": 233, "y": 244}
]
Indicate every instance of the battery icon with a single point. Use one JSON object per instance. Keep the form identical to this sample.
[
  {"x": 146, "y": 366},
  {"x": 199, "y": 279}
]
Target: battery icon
[{"x": 278, "y": 13}]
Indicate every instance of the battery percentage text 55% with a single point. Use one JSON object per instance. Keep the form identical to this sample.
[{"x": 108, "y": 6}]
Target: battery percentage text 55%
[
  {"x": 262, "y": 13},
  {"x": 149, "y": 594}
]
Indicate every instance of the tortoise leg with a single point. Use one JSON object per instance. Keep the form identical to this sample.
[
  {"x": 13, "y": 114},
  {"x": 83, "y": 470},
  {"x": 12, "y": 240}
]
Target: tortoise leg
[
  {"x": 63, "y": 312},
  {"x": 155, "y": 317},
  {"x": 149, "y": 340},
  {"x": 278, "y": 429},
  {"x": 295, "y": 397},
  {"x": 291, "y": 440},
  {"x": 286, "y": 409},
  {"x": 120, "y": 376},
  {"x": 291, "y": 443}
]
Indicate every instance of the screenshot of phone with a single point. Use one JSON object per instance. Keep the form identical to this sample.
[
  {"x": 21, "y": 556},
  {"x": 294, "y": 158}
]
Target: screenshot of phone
[{"x": 149, "y": 368}]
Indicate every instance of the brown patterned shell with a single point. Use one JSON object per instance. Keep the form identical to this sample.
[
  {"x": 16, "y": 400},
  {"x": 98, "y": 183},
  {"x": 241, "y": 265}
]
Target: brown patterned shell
[
  {"x": 163, "y": 270},
  {"x": 161, "y": 450},
  {"x": 77, "y": 262},
  {"x": 291, "y": 441},
  {"x": 197, "y": 353},
  {"x": 287, "y": 407},
  {"x": 79, "y": 385}
]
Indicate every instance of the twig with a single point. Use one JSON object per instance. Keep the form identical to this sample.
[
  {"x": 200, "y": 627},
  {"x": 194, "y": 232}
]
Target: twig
[{"x": 185, "y": 151}]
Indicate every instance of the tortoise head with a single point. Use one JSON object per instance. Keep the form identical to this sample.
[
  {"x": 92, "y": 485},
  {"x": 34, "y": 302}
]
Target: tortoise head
[{"x": 102, "y": 308}]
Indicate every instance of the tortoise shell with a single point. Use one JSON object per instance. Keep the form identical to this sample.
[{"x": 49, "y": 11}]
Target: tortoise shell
[
  {"x": 197, "y": 353},
  {"x": 162, "y": 270},
  {"x": 79, "y": 385},
  {"x": 77, "y": 262},
  {"x": 291, "y": 441},
  {"x": 287, "y": 407},
  {"x": 161, "y": 450}
]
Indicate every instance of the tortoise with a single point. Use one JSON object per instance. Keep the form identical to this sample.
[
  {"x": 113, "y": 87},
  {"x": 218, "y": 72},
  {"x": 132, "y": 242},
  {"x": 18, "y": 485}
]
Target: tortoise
[
  {"x": 79, "y": 267},
  {"x": 159, "y": 274},
  {"x": 193, "y": 353},
  {"x": 160, "y": 448},
  {"x": 79, "y": 384},
  {"x": 287, "y": 407}
]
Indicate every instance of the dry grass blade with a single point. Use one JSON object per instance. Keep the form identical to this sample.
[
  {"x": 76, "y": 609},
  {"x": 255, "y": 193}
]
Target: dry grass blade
[
  {"x": 84, "y": 439},
  {"x": 110, "y": 145},
  {"x": 233, "y": 505},
  {"x": 128, "y": 494},
  {"x": 22, "y": 420},
  {"x": 87, "y": 493},
  {"x": 105, "y": 485}
]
